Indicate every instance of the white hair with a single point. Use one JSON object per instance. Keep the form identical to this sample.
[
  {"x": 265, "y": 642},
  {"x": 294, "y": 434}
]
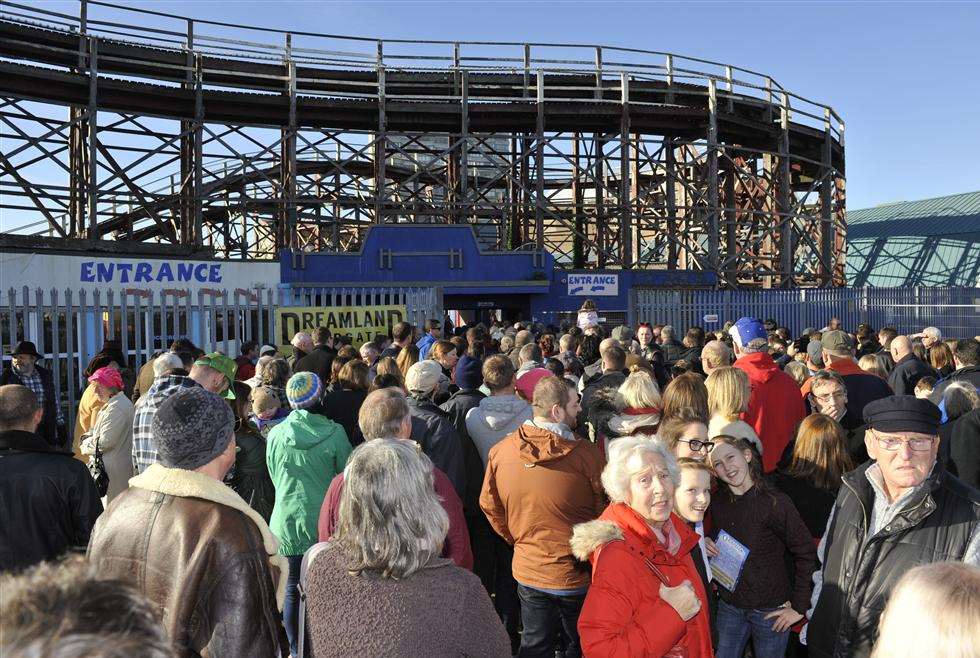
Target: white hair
[
  {"x": 166, "y": 363},
  {"x": 390, "y": 520},
  {"x": 932, "y": 612},
  {"x": 933, "y": 332},
  {"x": 716, "y": 354},
  {"x": 626, "y": 458}
]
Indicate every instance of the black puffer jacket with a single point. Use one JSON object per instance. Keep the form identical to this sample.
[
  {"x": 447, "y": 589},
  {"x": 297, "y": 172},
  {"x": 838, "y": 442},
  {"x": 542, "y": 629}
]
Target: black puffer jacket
[
  {"x": 50, "y": 502},
  {"x": 935, "y": 524},
  {"x": 432, "y": 428},
  {"x": 457, "y": 407}
]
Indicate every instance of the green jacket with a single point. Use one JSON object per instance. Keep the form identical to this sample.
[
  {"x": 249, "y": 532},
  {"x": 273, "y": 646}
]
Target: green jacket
[{"x": 304, "y": 452}]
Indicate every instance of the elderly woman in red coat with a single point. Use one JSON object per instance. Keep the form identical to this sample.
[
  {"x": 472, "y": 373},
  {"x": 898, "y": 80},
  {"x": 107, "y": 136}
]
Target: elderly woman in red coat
[{"x": 646, "y": 598}]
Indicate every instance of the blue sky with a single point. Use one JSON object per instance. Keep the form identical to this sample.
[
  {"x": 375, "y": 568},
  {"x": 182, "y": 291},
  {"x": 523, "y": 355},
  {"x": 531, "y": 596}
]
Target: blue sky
[{"x": 901, "y": 74}]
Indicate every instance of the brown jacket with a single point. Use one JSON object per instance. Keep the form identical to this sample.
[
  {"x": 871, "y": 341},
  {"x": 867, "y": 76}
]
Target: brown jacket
[
  {"x": 537, "y": 486},
  {"x": 202, "y": 562}
]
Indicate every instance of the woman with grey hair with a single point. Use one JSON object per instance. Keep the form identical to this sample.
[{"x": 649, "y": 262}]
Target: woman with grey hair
[
  {"x": 646, "y": 598},
  {"x": 382, "y": 568}
]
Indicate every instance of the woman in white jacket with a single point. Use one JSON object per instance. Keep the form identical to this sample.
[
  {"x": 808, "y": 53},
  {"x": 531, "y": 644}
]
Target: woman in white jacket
[{"x": 113, "y": 430}]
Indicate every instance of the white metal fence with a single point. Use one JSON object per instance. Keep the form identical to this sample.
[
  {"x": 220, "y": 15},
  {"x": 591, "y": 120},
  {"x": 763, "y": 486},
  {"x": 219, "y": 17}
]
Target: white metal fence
[
  {"x": 69, "y": 327},
  {"x": 955, "y": 311}
]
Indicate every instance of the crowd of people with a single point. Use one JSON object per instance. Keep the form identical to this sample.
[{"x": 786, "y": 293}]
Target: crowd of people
[{"x": 500, "y": 490}]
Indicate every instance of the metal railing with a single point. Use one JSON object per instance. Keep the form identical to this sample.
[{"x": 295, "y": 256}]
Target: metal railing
[
  {"x": 610, "y": 68},
  {"x": 954, "y": 310},
  {"x": 70, "y": 326}
]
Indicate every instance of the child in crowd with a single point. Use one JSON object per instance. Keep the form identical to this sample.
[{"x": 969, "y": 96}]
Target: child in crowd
[
  {"x": 923, "y": 389},
  {"x": 771, "y": 592},
  {"x": 691, "y": 500},
  {"x": 266, "y": 410}
]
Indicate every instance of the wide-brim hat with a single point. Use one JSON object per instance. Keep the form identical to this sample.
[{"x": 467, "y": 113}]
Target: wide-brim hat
[{"x": 25, "y": 347}]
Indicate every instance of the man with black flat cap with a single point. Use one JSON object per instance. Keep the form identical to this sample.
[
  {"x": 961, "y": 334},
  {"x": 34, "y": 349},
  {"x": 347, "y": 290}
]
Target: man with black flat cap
[
  {"x": 900, "y": 510},
  {"x": 26, "y": 372}
]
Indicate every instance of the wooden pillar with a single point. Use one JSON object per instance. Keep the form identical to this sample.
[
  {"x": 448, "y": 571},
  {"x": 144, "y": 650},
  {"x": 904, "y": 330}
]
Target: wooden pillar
[
  {"x": 578, "y": 244},
  {"x": 784, "y": 200},
  {"x": 712, "y": 219}
]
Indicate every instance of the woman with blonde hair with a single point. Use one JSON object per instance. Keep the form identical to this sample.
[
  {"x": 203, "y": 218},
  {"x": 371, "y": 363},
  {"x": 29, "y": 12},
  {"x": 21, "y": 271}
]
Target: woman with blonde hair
[
  {"x": 813, "y": 477},
  {"x": 407, "y": 357},
  {"x": 728, "y": 399},
  {"x": 870, "y": 363},
  {"x": 798, "y": 371},
  {"x": 934, "y": 612},
  {"x": 638, "y": 401}
]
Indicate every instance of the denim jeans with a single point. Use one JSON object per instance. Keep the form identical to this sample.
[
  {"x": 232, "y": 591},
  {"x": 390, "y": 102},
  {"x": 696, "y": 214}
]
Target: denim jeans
[
  {"x": 545, "y": 616},
  {"x": 735, "y": 625},
  {"x": 290, "y": 609}
]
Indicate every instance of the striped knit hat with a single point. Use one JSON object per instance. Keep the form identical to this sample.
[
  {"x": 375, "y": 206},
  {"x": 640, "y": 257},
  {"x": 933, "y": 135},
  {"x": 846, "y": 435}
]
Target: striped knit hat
[{"x": 303, "y": 390}]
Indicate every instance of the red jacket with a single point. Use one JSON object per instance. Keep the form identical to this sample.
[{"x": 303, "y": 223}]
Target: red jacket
[
  {"x": 623, "y": 615},
  {"x": 775, "y": 406},
  {"x": 457, "y": 545}
]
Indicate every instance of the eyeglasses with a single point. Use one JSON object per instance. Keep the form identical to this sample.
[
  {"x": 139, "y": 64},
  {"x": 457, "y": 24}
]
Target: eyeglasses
[
  {"x": 829, "y": 397},
  {"x": 891, "y": 444},
  {"x": 697, "y": 445}
]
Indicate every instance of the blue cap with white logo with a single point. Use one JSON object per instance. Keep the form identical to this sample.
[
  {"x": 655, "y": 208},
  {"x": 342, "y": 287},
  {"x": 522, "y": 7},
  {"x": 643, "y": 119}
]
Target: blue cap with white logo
[{"x": 745, "y": 330}]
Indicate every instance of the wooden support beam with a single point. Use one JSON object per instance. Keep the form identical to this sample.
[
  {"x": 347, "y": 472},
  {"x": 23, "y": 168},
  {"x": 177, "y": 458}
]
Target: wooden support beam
[
  {"x": 784, "y": 200},
  {"x": 711, "y": 225}
]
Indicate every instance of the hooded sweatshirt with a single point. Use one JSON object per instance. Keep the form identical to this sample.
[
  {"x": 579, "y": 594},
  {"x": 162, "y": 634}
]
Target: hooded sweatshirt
[
  {"x": 775, "y": 405},
  {"x": 493, "y": 419},
  {"x": 538, "y": 485},
  {"x": 304, "y": 453}
]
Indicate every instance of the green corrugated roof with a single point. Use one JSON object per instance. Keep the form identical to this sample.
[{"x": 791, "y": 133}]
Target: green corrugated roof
[
  {"x": 931, "y": 242},
  {"x": 945, "y": 215}
]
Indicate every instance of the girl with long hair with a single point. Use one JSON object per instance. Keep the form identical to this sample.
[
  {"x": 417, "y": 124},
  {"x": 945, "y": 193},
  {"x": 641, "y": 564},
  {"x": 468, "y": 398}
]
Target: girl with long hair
[
  {"x": 813, "y": 476},
  {"x": 250, "y": 476},
  {"x": 771, "y": 591}
]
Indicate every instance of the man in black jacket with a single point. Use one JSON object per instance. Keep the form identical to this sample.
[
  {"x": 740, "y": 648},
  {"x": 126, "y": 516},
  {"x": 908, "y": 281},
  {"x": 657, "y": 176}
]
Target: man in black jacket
[
  {"x": 613, "y": 375},
  {"x": 896, "y": 512},
  {"x": 908, "y": 369},
  {"x": 50, "y": 499},
  {"x": 964, "y": 448},
  {"x": 320, "y": 359},
  {"x": 26, "y": 372},
  {"x": 432, "y": 428}
]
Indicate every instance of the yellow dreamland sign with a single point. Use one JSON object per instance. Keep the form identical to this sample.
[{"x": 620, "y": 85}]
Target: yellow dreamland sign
[{"x": 359, "y": 323}]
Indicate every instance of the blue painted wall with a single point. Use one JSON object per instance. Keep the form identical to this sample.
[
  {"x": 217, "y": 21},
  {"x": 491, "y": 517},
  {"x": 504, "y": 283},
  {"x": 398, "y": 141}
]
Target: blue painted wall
[{"x": 407, "y": 254}]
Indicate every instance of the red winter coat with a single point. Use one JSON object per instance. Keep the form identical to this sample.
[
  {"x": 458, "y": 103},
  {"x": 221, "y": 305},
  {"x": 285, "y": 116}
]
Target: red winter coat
[
  {"x": 775, "y": 406},
  {"x": 623, "y": 615}
]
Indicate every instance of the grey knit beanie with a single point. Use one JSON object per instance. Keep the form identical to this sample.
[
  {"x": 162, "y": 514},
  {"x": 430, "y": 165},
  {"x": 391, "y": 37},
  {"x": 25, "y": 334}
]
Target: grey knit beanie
[{"x": 191, "y": 428}]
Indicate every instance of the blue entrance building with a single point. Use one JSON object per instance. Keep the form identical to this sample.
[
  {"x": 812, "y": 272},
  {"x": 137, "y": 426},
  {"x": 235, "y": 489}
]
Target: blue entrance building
[{"x": 523, "y": 285}]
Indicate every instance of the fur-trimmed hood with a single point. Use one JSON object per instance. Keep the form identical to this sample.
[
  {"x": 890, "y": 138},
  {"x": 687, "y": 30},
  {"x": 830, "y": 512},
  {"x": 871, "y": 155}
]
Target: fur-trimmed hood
[
  {"x": 191, "y": 484},
  {"x": 589, "y": 537}
]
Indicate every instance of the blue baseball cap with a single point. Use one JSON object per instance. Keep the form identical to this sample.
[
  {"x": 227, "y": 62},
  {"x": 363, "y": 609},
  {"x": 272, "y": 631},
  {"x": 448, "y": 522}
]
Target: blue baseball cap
[{"x": 745, "y": 330}]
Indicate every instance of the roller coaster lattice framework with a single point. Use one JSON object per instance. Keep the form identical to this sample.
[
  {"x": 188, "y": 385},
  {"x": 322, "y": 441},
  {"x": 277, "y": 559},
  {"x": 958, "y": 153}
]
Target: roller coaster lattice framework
[{"x": 132, "y": 125}]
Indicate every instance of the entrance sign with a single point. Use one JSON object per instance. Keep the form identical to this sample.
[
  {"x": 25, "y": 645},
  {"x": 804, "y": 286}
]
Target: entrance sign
[
  {"x": 589, "y": 285},
  {"x": 145, "y": 274},
  {"x": 359, "y": 323}
]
